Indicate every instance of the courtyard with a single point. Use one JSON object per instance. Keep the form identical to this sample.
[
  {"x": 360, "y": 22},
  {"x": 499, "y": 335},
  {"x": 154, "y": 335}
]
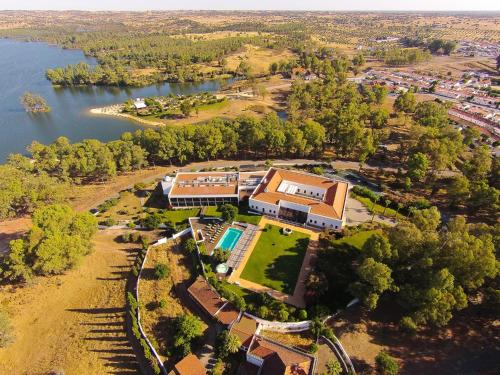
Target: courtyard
[{"x": 277, "y": 263}]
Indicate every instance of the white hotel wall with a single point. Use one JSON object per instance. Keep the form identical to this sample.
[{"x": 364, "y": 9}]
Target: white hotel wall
[
  {"x": 272, "y": 210},
  {"x": 269, "y": 209},
  {"x": 323, "y": 222}
]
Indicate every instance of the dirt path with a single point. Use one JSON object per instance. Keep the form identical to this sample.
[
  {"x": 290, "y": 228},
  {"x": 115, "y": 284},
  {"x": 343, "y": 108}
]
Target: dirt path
[{"x": 74, "y": 322}]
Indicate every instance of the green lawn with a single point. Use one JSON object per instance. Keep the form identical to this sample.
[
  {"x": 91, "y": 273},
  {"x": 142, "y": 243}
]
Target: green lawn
[
  {"x": 242, "y": 216},
  {"x": 180, "y": 216},
  {"x": 276, "y": 259},
  {"x": 357, "y": 240}
]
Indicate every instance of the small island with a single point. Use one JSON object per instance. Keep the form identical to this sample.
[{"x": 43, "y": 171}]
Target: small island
[{"x": 34, "y": 103}]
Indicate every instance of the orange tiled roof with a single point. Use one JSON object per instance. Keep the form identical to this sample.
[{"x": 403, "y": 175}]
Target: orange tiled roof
[
  {"x": 333, "y": 201},
  {"x": 207, "y": 297},
  {"x": 190, "y": 365},
  {"x": 279, "y": 359},
  {"x": 228, "y": 314}
]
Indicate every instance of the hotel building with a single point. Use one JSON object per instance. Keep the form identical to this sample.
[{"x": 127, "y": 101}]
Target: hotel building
[{"x": 289, "y": 195}]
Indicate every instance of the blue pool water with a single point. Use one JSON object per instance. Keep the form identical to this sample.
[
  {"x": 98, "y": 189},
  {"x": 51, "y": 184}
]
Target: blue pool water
[{"x": 229, "y": 239}]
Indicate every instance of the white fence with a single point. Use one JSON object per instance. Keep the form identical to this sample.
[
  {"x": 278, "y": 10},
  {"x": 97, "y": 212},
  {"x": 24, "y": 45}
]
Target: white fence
[
  {"x": 138, "y": 312},
  {"x": 281, "y": 326}
]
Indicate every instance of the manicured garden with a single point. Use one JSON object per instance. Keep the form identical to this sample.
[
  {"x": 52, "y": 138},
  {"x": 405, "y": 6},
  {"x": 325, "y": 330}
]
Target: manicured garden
[{"x": 276, "y": 260}]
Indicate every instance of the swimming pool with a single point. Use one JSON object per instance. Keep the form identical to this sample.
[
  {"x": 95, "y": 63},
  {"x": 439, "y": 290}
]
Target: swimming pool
[{"x": 229, "y": 239}]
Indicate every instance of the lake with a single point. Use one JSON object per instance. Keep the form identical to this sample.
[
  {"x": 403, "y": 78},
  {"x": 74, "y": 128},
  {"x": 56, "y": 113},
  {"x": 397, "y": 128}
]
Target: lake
[{"x": 22, "y": 68}]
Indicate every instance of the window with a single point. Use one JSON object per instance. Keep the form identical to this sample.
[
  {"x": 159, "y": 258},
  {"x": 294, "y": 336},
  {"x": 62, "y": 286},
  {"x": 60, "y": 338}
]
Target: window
[{"x": 336, "y": 227}]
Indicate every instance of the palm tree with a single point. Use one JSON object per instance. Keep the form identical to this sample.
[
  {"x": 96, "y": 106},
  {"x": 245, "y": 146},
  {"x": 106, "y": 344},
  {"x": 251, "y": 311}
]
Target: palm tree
[
  {"x": 387, "y": 203},
  {"x": 373, "y": 207},
  {"x": 400, "y": 206}
]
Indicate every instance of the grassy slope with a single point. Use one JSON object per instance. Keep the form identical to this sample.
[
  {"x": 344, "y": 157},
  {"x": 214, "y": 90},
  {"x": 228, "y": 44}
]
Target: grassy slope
[
  {"x": 378, "y": 208},
  {"x": 276, "y": 259}
]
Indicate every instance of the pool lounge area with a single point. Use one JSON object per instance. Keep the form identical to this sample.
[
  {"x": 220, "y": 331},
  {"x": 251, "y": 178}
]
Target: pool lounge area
[{"x": 229, "y": 239}]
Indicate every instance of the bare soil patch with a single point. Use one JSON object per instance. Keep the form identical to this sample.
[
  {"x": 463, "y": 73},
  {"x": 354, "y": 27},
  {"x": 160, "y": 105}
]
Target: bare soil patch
[{"x": 468, "y": 345}]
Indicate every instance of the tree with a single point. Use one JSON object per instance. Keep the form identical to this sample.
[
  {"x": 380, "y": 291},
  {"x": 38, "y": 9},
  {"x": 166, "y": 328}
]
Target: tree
[
  {"x": 405, "y": 102},
  {"x": 333, "y": 367},
  {"x": 478, "y": 167},
  {"x": 57, "y": 241},
  {"x": 449, "y": 47},
  {"x": 190, "y": 246},
  {"x": 161, "y": 271},
  {"x": 152, "y": 221},
  {"x": 187, "y": 328},
  {"x": 186, "y": 108},
  {"x": 228, "y": 212},
  {"x": 6, "y": 334},
  {"x": 459, "y": 190},
  {"x": 470, "y": 134},
  {"x": 418, "y": 164},
  {"x": 386, "y": 364},
  {"x": 227, "y": 344},
  {"x": 374, "y": 279},
  {"x": 380, "y": 93},
  {"x": 484, "y": 196},
  {"x": 34, "y": 103},
  {"x": 435, "y": 45},
  {"x": 378, "y": 247}
]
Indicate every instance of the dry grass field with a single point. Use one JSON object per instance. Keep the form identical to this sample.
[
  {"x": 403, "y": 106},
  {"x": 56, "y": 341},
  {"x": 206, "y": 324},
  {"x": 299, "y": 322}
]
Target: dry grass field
[
  {"x": 258, "y": 58},
  {"x": 73, "y": 322},
  {"x": 157, "y": 321}
]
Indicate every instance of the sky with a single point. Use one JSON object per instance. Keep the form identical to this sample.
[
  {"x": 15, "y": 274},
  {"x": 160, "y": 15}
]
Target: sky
[{"x": 428, "y": 5}]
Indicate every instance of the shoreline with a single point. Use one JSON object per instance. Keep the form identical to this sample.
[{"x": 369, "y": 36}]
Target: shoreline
[{"x": 115, "y": 110}]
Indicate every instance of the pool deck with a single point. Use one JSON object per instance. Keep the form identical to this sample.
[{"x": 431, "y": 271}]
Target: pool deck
[{"x": 297, "y": 299}]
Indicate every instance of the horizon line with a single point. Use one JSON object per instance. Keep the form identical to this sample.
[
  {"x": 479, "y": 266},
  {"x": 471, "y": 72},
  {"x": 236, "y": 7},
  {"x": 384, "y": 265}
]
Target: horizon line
[{"x": 249, "y": 10}]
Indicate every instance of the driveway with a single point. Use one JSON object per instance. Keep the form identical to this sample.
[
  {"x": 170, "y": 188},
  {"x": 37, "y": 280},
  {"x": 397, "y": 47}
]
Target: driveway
[{"x": 357, "y": 213}]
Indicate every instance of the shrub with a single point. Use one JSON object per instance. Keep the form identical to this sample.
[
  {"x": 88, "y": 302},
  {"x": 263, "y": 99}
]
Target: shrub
[
  {"x": 135, "y": 237},
  {"x": 132, "y": 302},
  {"x": 131, "y": 224},
  {"x": 318, "y": 170},
  {"x": 190, "y": 246},
  {"x": 161, "y": 271},
  {"x": 408, "y": 325},
  {"x": 109, "y": 222},
  {"x": 302, "y": 314},
  {"x": 107, "y": 205},
  {"x": 163, "y": 303},
  {"x": 365, "y": 192},
  {"x": 135, "y": 271},
  {"x": 386, "y": 364},
  {"x": 228, "y": 212},
  {"x": 152, "y": 221},
  {"x": 6, "y": 333},
  {"x": 313, "y": 348},
  {"x": 263, "y": 312},
  {"x": 125, "y": 237},
  {"x": 283, "y": 315}
]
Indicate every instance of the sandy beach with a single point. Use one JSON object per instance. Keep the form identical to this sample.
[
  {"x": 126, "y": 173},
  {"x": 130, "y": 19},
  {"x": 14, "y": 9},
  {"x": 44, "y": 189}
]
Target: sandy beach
[{"x": 116, "y": 110}]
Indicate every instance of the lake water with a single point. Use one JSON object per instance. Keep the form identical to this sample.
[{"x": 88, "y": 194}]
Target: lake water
[{"x": 22, "y": 68}]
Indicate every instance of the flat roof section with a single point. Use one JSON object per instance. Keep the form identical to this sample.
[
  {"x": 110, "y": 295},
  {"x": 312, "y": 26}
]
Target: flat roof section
[
  {"x": 332, "y": 204},
  {"x": 205, "y": 184}
]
